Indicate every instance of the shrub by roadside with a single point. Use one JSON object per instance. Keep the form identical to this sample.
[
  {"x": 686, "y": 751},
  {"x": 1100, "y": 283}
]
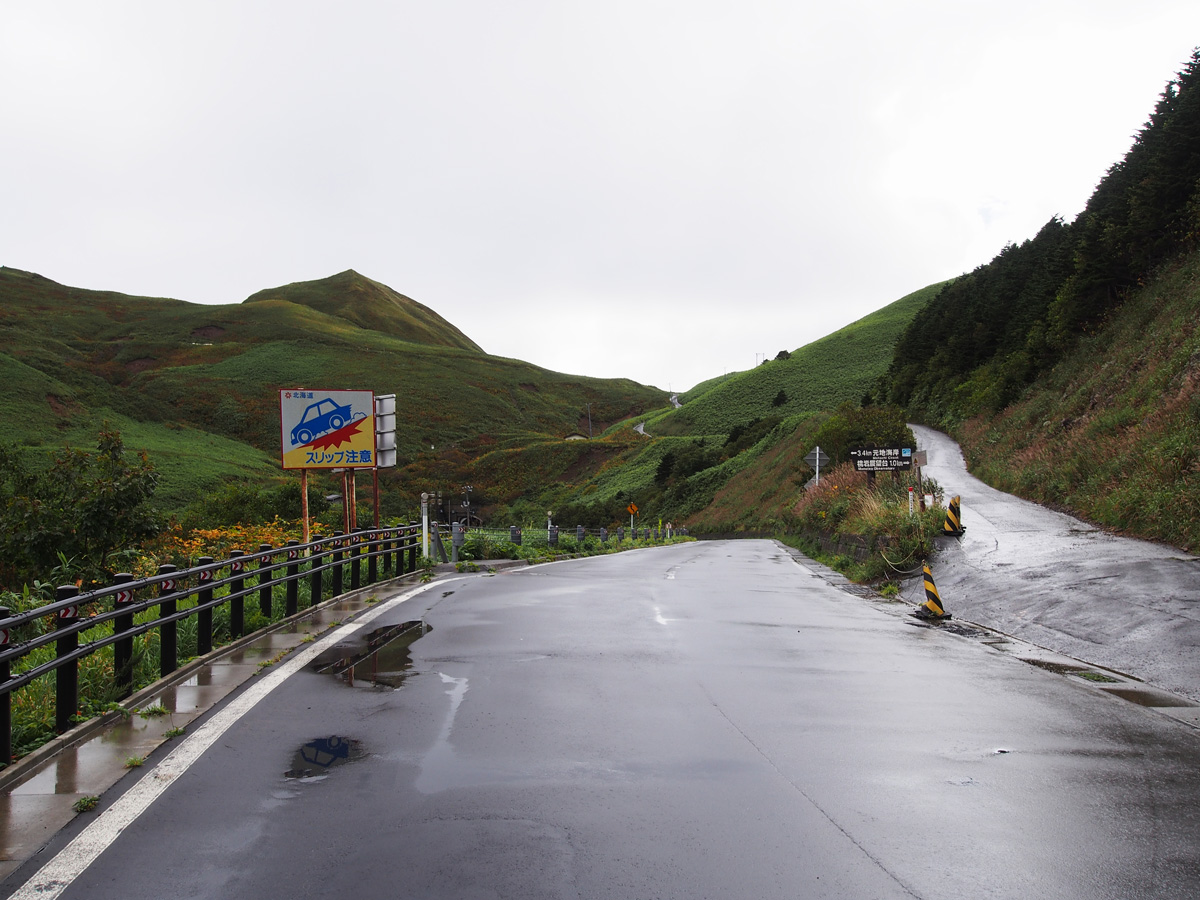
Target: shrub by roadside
[{"x": 846, "y": 507}]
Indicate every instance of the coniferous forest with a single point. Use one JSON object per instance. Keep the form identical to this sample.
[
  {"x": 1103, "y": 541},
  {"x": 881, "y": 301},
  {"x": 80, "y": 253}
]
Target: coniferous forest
[{"x": 987, "y": 335}]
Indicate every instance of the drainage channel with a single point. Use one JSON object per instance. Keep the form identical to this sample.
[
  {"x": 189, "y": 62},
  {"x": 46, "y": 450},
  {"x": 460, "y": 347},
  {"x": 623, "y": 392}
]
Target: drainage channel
[{"x": 1118, "y": 684}]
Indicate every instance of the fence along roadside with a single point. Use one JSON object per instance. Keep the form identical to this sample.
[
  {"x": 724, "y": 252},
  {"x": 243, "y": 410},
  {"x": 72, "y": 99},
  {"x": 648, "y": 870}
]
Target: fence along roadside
[{"x": 166, "y": 598}]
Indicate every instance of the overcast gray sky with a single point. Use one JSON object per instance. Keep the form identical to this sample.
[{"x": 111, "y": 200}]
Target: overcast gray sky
[{"x": 660, "y": 190}]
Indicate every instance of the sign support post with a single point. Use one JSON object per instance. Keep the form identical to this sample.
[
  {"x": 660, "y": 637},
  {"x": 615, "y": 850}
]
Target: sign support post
[
  {"x": 304, "y": 504},
  {"x": 425, "y": 525},
  {"x": 816, "y": 458}
]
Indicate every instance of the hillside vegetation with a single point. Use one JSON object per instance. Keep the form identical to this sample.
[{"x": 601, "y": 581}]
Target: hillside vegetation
[
  {"x": 731, "y": 458},
  {"x": 1068, "y": 365},
  {"x": 987, "y": 336},
  {"x": 371, "y": 305},
  {"x": 838, "y": 368},
  {"x": 1113, "y": 431},
  {"x": 198, "y": 385}
]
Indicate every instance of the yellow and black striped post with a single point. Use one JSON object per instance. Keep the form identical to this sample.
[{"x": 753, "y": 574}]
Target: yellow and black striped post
[
  {"x": 932, "y": 608},
  {"x": 953, "y": 524}
]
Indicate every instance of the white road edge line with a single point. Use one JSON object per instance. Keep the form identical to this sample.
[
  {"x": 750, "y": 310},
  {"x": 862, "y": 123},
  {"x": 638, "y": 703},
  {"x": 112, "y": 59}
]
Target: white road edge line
[{"x": 57, "y": 874}]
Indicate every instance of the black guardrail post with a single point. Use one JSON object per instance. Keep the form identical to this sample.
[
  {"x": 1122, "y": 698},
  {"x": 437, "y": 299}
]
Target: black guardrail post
[
  {"x": 336, "y": 582},
  {"x": 168, "y": 632},
  {"x": 204, "y": 618},
  {"x": 385, "y": 550},
  {"x": 123, "y": 648},
  {"x": 5, "y": 699},
  {"x": 292, "y": 591},
  {"x": 66, "y": 694},
  {"x": 412, "y": 550},
  {"x": 603, "y": 535},
  {"x": 315, "y": 569},
  {"x": 237, "y": 584},
  {"x": 355, "y": 562},
  {"x": 373, "y": 547},
  {"x": 266, "y": 581}
]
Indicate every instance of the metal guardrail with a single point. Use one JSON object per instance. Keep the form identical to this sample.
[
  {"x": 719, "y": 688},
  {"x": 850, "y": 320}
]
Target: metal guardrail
[{"x": 322, "y": 563}]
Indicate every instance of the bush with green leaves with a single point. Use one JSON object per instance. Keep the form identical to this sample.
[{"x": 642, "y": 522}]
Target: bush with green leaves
[{"x": 77, "y": 505}]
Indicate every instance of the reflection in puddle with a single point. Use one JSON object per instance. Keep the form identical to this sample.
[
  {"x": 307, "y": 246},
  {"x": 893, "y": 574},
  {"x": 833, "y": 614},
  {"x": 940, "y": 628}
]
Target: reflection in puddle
[
  {"x": 1148, "y": 697},
  {"x": 381, "y": 659},
  {"x": 316, "y": 758}
]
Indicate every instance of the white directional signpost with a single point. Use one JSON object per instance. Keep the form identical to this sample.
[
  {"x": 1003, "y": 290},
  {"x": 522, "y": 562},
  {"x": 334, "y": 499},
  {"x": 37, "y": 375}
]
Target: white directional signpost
[
  {"x": 881, "y": 459},
  {"x": 385, "y": 441},
  {"x": 816, "y": 458}
]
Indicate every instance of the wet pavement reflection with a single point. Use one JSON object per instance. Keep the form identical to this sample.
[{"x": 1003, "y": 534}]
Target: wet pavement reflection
[
  {"x": 381, "y": 659},
  {"x": 317, "y": 757}
]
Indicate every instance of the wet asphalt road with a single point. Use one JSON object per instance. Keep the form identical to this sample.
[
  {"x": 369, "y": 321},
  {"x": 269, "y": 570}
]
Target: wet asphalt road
[
  {"x": 706, "y": 720},
  {"x": 1130, "y": 605}
]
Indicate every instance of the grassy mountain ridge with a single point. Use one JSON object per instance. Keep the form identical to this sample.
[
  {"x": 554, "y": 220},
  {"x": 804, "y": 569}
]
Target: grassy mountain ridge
[
  {"x": 185, "y": 376},
  {"x": 701, "y": 462},
  {"x": 840, "y": 367},
  {"x": 370, "y": 305}
]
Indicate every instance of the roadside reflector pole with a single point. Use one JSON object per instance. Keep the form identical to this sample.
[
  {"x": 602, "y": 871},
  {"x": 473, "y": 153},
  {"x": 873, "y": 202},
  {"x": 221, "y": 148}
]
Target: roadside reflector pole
[
  {"x": 953, "y": 524},
  {"x": 933, "y": 607}
]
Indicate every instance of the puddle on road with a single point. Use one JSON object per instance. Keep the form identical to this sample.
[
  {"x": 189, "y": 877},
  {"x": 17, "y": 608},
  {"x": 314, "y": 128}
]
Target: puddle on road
[
  {"x": 1075, "y": 669},
  {"x": 1145, "y": 697},
  {"x": 313, "y": 760},
  {"x": 381, "y": 659}
]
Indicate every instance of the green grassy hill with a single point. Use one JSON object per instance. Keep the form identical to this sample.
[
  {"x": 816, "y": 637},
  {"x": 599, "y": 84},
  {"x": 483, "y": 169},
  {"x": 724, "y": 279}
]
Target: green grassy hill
[
  {"x": 371, "y": 305},
  {"x": 731, "y": 457},
  {"x": 838, "y": 368},
  {"x": 198, "y": 385}
]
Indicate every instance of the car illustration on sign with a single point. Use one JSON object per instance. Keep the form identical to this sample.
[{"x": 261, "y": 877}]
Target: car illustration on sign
[{"x": 319, "y": 418}]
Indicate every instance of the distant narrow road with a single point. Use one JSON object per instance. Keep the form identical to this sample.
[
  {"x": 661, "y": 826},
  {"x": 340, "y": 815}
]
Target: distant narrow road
[
  {"x": 705, "y": 720},
  {"x": 1057, "y": 581}
]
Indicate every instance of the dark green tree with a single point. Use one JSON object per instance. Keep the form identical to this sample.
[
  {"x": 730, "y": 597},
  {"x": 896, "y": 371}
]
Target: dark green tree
[{"x": 82, "y": 505}]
